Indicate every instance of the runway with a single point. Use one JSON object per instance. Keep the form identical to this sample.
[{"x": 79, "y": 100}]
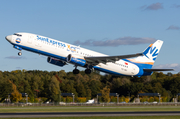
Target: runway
[{"x": 89, "y": 114}]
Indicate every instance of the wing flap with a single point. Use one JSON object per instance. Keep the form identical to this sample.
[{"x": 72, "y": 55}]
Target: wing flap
[{"x": 105, "y": 59}]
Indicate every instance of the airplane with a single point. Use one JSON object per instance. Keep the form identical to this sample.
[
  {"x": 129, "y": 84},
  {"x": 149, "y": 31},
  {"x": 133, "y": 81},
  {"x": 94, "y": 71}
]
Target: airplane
[{"x": 60, "y": 53}]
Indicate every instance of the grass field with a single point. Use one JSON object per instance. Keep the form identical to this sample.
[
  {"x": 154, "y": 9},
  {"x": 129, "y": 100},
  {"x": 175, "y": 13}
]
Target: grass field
[
  {"x": 88, "y": 109},
  {"x": 127, "y": 117},
  {"x": 95, "y": 109}
]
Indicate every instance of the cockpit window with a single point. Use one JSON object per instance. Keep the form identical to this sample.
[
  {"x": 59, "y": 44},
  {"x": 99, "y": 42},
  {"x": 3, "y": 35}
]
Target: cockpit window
[{"x": 17, "y": 34}]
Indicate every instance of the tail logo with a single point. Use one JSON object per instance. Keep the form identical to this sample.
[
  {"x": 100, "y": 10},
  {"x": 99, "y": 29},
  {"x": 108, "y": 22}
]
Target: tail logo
[{"x": 151, "y": 53}]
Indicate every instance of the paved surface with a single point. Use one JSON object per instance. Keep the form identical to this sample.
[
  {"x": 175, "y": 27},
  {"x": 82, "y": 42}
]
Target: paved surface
[{"x": 88, "y": 114}]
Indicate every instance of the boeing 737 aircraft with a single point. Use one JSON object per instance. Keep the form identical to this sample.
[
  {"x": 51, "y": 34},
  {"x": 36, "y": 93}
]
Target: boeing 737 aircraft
[{"x": 60, "y": 53}]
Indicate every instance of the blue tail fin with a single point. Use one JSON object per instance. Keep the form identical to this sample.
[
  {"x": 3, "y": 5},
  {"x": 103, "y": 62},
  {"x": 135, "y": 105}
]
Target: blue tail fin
[
  {"x": 152, "y": 51},
  {"x": 150, "y": 54}
]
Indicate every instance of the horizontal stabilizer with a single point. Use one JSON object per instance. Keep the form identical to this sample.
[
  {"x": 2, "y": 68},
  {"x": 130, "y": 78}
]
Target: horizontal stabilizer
[{"x": 151, "y": 70}]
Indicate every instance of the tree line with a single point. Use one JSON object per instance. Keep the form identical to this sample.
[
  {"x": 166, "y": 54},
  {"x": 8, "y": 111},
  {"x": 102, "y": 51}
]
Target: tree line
[{"x": 49, "y": 85}]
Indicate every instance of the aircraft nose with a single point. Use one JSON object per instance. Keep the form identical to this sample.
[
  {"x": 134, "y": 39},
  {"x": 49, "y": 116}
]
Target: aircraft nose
[{"x": 9, "y": 38}]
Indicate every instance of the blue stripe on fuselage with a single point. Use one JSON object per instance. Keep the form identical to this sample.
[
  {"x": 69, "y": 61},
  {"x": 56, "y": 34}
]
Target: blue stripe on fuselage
[{"x": 108, "y": 71}]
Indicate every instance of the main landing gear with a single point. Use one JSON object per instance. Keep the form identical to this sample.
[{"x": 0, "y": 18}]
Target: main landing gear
[
  {"x": 76, "y": 71},
  {"x": 88, "y": 71}
]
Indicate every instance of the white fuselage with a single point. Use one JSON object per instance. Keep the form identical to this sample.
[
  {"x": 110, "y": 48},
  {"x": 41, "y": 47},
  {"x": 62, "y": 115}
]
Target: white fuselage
[{"x": 60, "y": 50}]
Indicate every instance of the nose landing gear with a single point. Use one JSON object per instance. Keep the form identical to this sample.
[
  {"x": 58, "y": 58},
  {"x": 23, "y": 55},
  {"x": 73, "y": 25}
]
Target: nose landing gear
[{"x": 19, "y": 53}]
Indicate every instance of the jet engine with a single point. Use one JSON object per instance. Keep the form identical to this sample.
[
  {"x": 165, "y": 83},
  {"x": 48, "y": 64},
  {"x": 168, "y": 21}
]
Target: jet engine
[
  {"x": 56, "y": 61},
  {"x": 75, "y": 59}
]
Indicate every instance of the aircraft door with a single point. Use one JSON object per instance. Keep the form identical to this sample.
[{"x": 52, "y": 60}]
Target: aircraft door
[
  {"x": 77, "y": 50},
  {"x": 13, "y": 39},
  {"x": 37, "y": 42},
  {"x": 30, "y": 39},
  {"x": 133, "y": 70}
]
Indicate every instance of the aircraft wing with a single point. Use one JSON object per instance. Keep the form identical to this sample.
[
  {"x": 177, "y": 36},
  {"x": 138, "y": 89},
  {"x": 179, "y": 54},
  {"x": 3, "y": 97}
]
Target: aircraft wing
[{"x": 105, "y": 59}]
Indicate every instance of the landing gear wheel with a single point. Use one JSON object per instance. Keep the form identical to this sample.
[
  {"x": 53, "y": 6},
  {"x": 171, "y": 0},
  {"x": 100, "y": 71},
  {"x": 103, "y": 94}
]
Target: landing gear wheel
[
  {"x": 88, "y": 71},
  {"x": 75, "y": 71},
  {"x": 19, "y": 53}
]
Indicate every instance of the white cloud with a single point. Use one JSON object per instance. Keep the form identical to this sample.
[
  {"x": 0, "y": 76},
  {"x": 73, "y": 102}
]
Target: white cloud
[
  {"x": 117, "y": 42},
  {"x": 176, "y": 6},
  {"x": 155, "y": 6},
  {"x": 172, "y": 27}
]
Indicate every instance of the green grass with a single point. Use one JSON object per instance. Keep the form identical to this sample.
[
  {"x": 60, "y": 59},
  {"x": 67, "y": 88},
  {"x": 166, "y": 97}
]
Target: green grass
[
  {"x": 126, "y": 117},
  {"x": 88, "y": 109},
  {"x": 95, "y": 109}
]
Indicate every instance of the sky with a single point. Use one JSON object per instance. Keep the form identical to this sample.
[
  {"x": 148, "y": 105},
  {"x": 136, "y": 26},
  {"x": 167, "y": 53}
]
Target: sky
[{"x": 112, "y": 27}]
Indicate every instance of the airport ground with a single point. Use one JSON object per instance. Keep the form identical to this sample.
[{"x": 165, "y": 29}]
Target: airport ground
[
  {"x": 61, "y": 109},
  {"x": 87, "y": 109},
  {"x": 125, "y": 117}
]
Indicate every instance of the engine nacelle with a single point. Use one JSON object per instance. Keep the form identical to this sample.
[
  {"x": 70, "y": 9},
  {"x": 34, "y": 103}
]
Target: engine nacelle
[
  {"x": 56, "y": 61},
  {"x": 75, "y": 59}
]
